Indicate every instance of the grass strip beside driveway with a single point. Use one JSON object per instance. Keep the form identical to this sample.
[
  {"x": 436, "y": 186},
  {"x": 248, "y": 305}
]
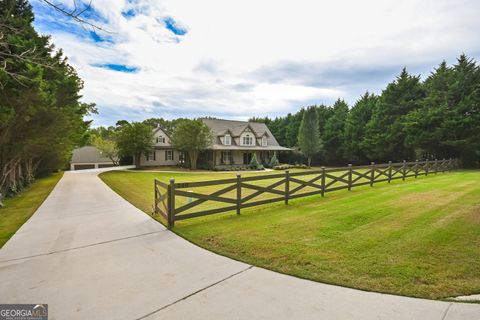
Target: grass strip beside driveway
[{"x": 20, "y": 208}]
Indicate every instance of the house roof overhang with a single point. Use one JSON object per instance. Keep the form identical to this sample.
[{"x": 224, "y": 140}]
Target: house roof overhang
[{"x": 245, "y": 148}]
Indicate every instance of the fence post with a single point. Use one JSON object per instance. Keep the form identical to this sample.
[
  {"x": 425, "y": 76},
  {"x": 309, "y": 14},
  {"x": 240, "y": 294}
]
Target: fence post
[
  {"x": 404, "y": 169},
  {"x": 416, "y": 169},
  {"x": 389, "y": 171},
  {"x": 287, "y": 185},
  {"x": 239, "y": 193},
  {"x": 350, "y": 177},
  {"x": 443, "y": 165},
  {"x": 171, "y": 203},
  {"x": 155, "y": 193},
  {"x": 372, "y": 174},
  {"x": 450, "y": 165},
  {"x": 323, "y": 181},
  {"x": 436, "y": 166},
  {"x": 426, "y": 167}
]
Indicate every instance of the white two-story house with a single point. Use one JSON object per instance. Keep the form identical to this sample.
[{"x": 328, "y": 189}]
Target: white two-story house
[
  {"x": 163, "y": 153},
  {"x": 234, "y": 143}
]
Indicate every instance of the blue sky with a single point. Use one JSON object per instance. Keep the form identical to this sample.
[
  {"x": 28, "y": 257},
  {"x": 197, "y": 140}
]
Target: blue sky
[{"x": 179, "y": 58}]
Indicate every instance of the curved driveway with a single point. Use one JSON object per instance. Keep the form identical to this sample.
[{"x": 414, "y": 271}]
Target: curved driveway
[{"x": 90, "y": 254}]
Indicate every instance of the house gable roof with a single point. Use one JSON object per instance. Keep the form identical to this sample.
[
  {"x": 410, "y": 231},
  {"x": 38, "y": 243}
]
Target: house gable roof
[
  {"x": 157, "y": 129},
  {"x": 248, "y": 128},
  {"x": 88, "y": 154},
  {"x": 219, "y": 127}
]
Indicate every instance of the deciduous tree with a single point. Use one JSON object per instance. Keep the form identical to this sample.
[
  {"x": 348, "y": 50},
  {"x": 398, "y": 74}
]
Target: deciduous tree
[
  {"x": 193, "y": 137},
  {"x": 134, "y": 139},
  {"x": 107, "y": 147}
]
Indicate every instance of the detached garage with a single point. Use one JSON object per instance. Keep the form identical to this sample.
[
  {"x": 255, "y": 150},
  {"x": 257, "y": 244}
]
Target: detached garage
[{"x": 89, "y": 157}]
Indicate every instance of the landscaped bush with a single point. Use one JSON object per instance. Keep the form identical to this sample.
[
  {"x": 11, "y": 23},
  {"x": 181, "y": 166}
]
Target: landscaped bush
[
  {"x": 239, "y": 168},
  {"x": 290, "y": 166},
  {"x": 204, "y": 166},
  {"x": 254, "y": 164},
  {"x": 274, "y": 161}
]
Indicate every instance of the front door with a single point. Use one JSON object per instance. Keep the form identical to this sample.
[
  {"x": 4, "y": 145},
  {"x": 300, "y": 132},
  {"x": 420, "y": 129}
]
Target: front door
[
  {"x": 247, "y": 157},
  {"x": 264, "y": 156}
]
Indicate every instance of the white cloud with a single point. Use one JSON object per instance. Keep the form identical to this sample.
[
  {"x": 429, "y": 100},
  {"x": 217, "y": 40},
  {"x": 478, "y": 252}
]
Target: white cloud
[{"x": 213, "y": 69}]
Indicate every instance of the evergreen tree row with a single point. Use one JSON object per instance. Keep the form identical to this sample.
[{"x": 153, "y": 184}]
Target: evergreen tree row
[
  {"x": 41, "y": 116},
  {"x": 411, "y": 119}
]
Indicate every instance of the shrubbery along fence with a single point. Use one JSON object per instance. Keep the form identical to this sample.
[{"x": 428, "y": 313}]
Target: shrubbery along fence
[{"x": 179, "y": 201}]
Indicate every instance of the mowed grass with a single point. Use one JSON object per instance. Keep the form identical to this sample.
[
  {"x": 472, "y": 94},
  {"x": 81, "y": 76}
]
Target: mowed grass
[
  {"x": 417, "y": 238},
  {"x": 20, "y": 208}
]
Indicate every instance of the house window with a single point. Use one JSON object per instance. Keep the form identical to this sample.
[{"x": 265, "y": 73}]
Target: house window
[
  {"x": 160, "y": 139},
  {"x": 168, "y": 155},
  {"x": 247, "y": 140},
  {"x": 227, "y": 157},
  {"x": 227, "y": 140},
  {"x": 150, "y": 156},
  {"x": 264, "y": 141}
]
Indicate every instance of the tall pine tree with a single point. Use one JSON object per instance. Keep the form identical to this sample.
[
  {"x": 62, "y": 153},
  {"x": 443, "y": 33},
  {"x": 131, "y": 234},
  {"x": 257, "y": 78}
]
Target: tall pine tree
[
  {"x": 309, "y": 134},
  {"x": 424, "y": 126},
  {"x": 385, "y": 135},
  {"x": 334, "y": 131},
  {"x": 357, "y": 119},
  {"x": 462, "y": 118}
]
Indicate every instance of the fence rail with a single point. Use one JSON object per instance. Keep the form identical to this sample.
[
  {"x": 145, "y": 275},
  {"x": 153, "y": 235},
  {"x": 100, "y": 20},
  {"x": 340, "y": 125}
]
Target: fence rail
[{"x": 176, "y": 203}]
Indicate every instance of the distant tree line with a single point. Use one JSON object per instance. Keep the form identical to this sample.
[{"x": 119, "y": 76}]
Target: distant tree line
[
  {"x": 411, "y": 119},
  {"x": 41, "y": 116}
]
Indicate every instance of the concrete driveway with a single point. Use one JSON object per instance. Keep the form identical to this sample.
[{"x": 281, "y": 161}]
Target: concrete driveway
[{"x": 89, "y": 254}]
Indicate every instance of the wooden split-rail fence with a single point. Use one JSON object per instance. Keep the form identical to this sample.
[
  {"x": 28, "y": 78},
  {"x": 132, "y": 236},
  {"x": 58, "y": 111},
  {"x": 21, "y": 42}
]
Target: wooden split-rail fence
[{"x": 179, "y": 201}]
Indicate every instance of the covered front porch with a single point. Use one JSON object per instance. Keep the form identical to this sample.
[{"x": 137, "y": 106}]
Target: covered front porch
[{"x": 219, "y": 159}]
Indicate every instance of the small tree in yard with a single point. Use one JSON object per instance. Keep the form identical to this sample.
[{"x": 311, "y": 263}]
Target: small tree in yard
[
  {"x": 273, "y": 161},
  {"x": 309, "y": 134},
  {"x": 107, "y": 147},
  {"x": 254, "y": 164},
  {"x": 192, "y": 136},
  {"x": 134, "y": 139}
]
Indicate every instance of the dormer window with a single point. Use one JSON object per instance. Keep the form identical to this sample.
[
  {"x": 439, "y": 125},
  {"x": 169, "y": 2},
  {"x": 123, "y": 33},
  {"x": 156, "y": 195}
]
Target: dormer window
[
  {"x": 247, "y": 140},
  {"x": 227, "y": 140},
  {"x": 264, "y": 141}
]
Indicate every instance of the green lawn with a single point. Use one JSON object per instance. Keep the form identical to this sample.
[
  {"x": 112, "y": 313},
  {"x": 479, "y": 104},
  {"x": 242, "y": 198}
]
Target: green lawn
[
  {"x": 418, "y": 238},
  {"x": 21, "y": 207}
]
